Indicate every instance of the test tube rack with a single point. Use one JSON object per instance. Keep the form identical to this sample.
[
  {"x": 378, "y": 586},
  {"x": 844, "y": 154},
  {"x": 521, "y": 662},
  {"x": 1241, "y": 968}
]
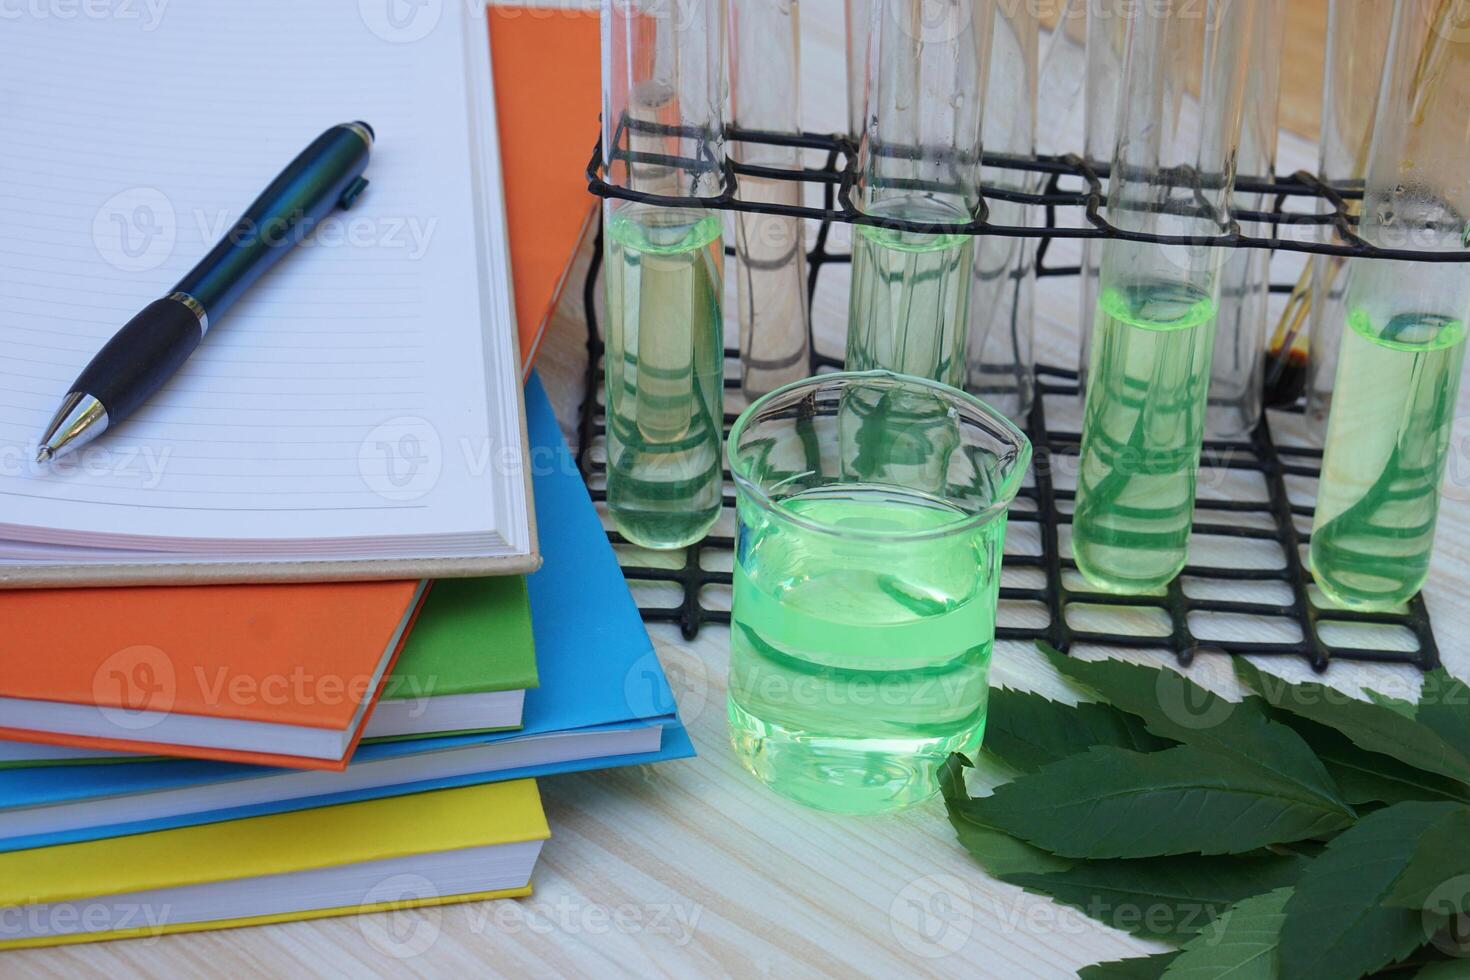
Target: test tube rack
[{"x": 1065, "y": 187}]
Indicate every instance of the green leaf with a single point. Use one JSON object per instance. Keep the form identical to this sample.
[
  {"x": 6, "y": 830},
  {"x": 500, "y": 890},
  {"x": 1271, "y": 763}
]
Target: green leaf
[
  {"x": 1241, "y": 945},
  {"x": 1398, "y": 705},
  {"x": 1446, "y": 970},
  {"x": 1162, "y": 898},
  {"x": 1369, "y": 726},
  {"x": 1336, "y": 926},
  {"x": 1175, "y": 707},
  {"x": 996, "y": 851},
  {"x": 1444, "y": 708},
  {"x": 1027, "y": 731},
  {"x": 1440, "y": 857},
  {"x": 1370, "y": 777},
  {"x": 1109, "y": 802},
  {"x": 1138, "y": 968}
]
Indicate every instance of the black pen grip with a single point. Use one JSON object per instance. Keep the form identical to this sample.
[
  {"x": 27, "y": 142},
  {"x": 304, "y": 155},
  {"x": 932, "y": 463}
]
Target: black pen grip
[{"x": 141, "y": 357}]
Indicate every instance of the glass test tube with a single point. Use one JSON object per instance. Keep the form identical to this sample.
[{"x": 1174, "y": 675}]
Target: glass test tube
[
  {"x": 1403, "y": 346},
  {"x": 1107, "y": 38},
  {"x": 919, "y": 161},
  {"x": 1183, "y": 79},
  {"x": 663, "y": 133},
  {"x": 1238, "y": 367},
  {"x": 770, "y": 278},
  {"x": 1001, "y": 361},
  {"x": 1357, "y": 43},
  {"x": 859, "y": 16}
]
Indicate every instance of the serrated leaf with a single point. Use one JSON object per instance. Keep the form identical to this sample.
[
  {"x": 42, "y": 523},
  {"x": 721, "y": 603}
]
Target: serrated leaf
[
  {"x": 1242, "y": 944},
  {"x": 1370, "y": 777},
  {"x": 1432, "y": 877},
  {"x": 1137, "y": 968},
  {"x": 1027, "y": 731},
  {"x": 1444, "y": 708},
  {"x": 1109, "y": 803},
  {"x": 1162, "y": 898},
  {"x": 996, "y": 851},
  {"x": 1369, "y": 726},
  {"x": 1399, "y": 705},
  {"x": 1175, "y": 707},
  {"x": 1336, "y": 927}
]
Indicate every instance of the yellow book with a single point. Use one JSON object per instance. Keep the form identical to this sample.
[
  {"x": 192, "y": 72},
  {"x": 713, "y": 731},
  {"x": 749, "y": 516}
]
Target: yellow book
[{"x": 452, "y": 845}]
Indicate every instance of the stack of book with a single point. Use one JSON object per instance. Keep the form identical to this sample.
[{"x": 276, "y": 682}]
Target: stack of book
[{"x": 279, "y": 672}]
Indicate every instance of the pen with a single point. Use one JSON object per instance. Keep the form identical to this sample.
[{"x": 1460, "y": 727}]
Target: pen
[{"x": 154, "y": 344}]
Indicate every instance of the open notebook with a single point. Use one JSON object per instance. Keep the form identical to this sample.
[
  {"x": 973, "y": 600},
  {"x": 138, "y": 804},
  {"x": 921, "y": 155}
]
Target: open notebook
[{"x": 357, "y": 414}]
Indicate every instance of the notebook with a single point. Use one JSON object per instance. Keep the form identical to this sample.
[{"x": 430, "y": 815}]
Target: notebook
[
  {"x": 357, "y": 414},
  {"x": 465, "y": 666},
  {"x": 456, "y": 845},
  {"x": 548, "y": 65},
  {"x": 268, "y": 674},
  {"x": 603, "y": 701}
]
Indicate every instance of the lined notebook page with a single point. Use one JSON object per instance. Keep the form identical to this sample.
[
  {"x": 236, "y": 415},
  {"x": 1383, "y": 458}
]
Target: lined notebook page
[{"x": 346, "y": 395}]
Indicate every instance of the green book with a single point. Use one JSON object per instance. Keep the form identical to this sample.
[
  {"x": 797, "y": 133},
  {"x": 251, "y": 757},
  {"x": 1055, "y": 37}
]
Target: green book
[{"x": 464, "y": 668}]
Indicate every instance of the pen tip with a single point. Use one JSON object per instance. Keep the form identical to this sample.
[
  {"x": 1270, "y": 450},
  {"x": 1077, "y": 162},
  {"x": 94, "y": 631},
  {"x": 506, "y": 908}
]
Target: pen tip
[{"x": 44, "y": 454}]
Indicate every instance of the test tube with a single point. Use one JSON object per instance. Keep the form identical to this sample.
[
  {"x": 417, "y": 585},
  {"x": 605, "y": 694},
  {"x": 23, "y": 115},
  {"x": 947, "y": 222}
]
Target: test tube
[
  {"x": 1107, "y": 38},
  {"x": 1357, "y": 44},
  {"x": 1403, "y": 346},
  {"x": 770, "y": 278},
  {"x": 663, "y": 133},
  {"x": 1238, "y": 367},
  {"x": 859, "y": 16},
  {"x": 919, "y": 162},
  {"x": 1183, "y": 80},
  {"x": 1002, "y": 366}
]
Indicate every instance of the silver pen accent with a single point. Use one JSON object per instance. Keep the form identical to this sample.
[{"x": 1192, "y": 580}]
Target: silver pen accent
[{"x": 80, "y": 419}]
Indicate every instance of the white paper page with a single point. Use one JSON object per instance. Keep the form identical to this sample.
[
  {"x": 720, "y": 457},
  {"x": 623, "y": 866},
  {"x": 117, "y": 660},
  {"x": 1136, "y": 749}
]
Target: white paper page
[{"x": 344, "y": 396}]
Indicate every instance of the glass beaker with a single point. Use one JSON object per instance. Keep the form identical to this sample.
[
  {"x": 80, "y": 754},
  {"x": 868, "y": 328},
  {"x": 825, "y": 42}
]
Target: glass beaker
[{"x": 872, "y": 514}]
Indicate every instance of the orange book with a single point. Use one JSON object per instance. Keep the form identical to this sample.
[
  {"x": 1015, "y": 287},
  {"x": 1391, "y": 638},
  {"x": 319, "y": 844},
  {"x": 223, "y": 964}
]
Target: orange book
[
  {"x": 269, "y": 674},
  {"x": 548, "y": 84}
]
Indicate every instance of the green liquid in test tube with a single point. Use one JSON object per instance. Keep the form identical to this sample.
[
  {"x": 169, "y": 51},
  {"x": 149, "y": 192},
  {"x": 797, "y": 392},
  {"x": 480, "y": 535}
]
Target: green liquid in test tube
[
  {"x": 1403, "y": 345},
  {"x": 1149, "y": 373},
  {"x": 663, "y": 86},
  {"x": 918, "y": 161}
]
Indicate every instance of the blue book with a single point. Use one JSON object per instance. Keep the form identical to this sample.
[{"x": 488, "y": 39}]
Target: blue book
[{"x": 603, "y": 702}]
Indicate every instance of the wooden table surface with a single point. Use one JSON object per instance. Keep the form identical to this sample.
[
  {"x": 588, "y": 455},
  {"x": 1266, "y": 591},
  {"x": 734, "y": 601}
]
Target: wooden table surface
[{"x": 690, "y": 867}]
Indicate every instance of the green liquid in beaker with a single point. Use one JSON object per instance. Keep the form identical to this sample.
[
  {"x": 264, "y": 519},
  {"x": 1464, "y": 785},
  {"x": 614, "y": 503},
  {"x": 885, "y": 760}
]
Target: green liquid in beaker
[
  {"x": 1141, "y": 434},
  {"x": 910, "y": 303},
  {"x": 665, "y": 370},
  {"x": 1387, "y": 441},
  {"x": 857, "y": 665}
]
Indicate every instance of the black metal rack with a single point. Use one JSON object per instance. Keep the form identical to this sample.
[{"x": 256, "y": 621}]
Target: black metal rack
[{"x": 1269, "y": 516}]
